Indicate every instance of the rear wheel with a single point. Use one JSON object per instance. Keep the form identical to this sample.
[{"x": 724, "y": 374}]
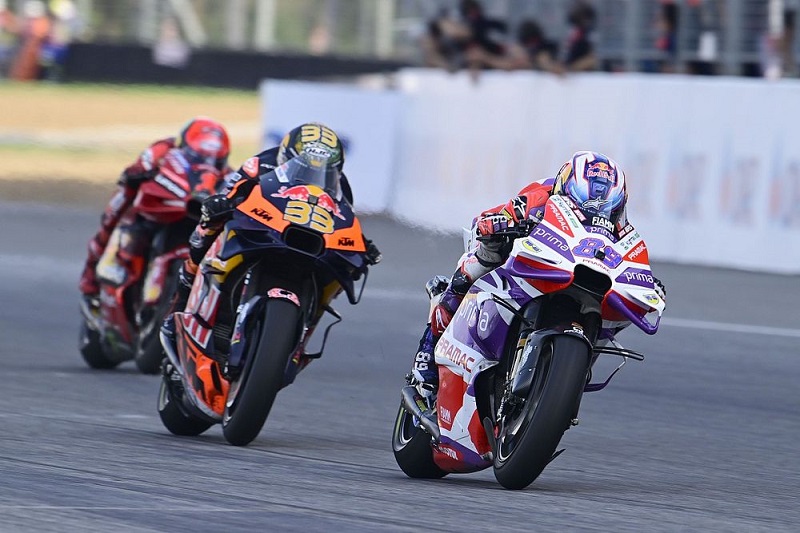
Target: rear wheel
[
  {"x": 170, "y": 408},
  {"x": 91, "y": 348},
  {"x": 412, "y": 449},
  {"x": 531, "y": 431},
  {"x": 253, "y": 392}
]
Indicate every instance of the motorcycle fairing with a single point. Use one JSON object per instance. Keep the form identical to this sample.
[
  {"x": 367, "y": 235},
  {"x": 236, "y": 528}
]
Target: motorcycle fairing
[
  {"x": 156, "y": 276},
  {"x": 541, "y": 263}
]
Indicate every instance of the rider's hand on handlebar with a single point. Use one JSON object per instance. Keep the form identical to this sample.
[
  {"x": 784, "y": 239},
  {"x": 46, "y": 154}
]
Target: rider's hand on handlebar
[
  {"x": 489, "y": 225},
  {"x": 372, "y": 256},
  {"x": 215, "y": 209}
]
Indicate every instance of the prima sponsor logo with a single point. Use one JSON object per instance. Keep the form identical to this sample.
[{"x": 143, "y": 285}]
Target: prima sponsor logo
[
  {"x": 551, "y": 238},
  {"x": 603, "y": 223},
  {"x": 638, "y": 276},
  {"x": 171, "y": 186}
]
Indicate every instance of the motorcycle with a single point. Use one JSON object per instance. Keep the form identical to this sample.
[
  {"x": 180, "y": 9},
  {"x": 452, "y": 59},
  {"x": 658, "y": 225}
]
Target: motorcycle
[
  {"x": 518, "y": 355},
  {"x": 123, "y": 322},
  {"x": 261, "y": 290}
]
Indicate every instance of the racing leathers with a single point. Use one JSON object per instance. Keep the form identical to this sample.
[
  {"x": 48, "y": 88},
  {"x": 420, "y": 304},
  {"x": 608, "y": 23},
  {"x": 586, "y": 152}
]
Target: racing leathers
[
  {"x": 218, "y": 209},
  {"x": 485, "y": 256},
  {"x": 144, "y": 168}
]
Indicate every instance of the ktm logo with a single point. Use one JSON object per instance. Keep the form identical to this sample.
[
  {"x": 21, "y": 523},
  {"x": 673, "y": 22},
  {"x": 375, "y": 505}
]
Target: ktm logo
[
  {"x": 346, "y": 241},
  {"x": 260, "y": 213}
]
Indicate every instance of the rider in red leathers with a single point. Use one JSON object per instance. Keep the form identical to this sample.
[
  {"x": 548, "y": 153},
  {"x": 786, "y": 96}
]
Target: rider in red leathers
[
  {"x": 201, "y": 141},
  {"x": 591, "y": 181}
]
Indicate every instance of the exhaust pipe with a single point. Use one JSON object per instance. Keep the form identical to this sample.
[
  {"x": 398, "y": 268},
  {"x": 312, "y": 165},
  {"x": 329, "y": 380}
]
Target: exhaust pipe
[{"x": 413, "y": 403}]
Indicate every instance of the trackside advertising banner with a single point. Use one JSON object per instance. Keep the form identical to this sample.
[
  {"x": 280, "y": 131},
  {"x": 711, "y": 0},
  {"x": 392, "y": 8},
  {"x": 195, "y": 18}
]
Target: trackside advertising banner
[{"x": 713, "y": 164}]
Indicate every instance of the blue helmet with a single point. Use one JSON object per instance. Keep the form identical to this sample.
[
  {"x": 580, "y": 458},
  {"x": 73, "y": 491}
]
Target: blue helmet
[{"x": 595, "y": 184}]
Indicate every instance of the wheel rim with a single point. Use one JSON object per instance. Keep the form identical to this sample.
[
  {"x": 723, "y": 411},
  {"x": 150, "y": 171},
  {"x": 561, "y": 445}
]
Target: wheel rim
[
  {"x": 404, "y": 429},
  {"x": 516, "y": 423}
]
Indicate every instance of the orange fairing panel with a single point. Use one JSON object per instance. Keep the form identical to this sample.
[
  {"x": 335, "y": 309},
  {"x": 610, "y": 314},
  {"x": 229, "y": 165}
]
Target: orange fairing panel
[
  {"x": 260, "y": 209},
  {"x": 348, "y": 239}
]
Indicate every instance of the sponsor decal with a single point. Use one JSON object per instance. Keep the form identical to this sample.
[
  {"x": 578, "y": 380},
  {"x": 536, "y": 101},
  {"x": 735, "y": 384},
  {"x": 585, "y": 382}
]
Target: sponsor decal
[
  {"x": 448, "y": 350},
  {"x": 445, "y": 414},
  {"x": 603, "y": 223},
  {"x": 346, "y": 241},
  {"x": 277, "y": 292},
  {"x": 171, "y": 186},
  {"x": 250, "y": 167},
  {"x": 553, "y": 241},
  {"x": 558, "y": 217},
  {"x": 528, "y": 245},
  {"x": 637, "y": 276},
  {"x": 601, "y": 170},
  {"x": 638, "y": 254},
  {"x": 594, "y": 204},
  {"x": 261, "y": 213},
  {"x": 652, "y": 298},
  {"x": 449, "y": 452},
  {"x": 312, "y": 195}
]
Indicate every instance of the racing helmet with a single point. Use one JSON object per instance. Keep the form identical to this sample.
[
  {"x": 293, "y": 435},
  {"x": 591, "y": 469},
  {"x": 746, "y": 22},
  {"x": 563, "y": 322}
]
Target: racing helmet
[
  {"x": 205, "y": 141},
  {"x": 315, "y": 134},
  {"x": 316, "y": 164},
  {"x": 596, "y": 185}
]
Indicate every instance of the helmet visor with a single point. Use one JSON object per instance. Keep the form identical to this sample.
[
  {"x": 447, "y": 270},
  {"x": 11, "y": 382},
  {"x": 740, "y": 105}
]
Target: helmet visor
[{"x": 310, "y": 168}]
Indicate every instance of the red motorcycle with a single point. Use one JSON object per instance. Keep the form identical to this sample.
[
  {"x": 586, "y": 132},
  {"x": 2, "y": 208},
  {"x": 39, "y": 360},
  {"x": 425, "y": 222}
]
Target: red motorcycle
[{"x": 136, "y": 290}]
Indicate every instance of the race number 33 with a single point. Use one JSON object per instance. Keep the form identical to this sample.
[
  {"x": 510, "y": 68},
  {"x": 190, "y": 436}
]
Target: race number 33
[
  {"x": 305, "y": 214},
  {"x": 317, "y": 133}
]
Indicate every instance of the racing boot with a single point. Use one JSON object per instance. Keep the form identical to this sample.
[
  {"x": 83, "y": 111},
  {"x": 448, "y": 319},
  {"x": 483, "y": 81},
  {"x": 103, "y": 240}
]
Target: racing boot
[{"x": 185, "y": 281}]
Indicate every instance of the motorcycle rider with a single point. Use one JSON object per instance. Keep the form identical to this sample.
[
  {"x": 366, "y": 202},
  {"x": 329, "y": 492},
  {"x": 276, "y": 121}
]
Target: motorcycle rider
[
  {"x": 593, "y": 183},
  {"x": 202, "y": 140},
  {"x": 218, "y": 209}
]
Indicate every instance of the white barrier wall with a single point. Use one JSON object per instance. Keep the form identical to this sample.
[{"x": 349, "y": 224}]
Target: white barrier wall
[
  {"x": 713, "y": 164},
  {"x": 364, "y": 121}
]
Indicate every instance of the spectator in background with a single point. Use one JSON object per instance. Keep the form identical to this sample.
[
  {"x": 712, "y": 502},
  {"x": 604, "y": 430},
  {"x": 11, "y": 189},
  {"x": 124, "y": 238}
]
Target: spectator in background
[
  {"x": 444, "y": 42},
  {"x": 63, "y": 27},
  {"x": 8, "y": 37},
  {"x": 580, "y": 55},
  {"x": 170, "y": 50},
  {"x": 532, "y": 50},
  {"x": 666, "y": 40},
  {"x": 35, "y": 31}
]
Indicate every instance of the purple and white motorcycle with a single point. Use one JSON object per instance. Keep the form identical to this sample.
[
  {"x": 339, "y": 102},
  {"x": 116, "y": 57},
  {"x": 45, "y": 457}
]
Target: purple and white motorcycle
[{"x": 517, "y": 356}]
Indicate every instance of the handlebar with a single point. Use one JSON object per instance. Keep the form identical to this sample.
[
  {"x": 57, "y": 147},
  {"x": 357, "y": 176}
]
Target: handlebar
[{"x": 521, "y": 229}]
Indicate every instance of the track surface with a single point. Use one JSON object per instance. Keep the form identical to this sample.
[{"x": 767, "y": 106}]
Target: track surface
[{"x": 701, "y": 436}]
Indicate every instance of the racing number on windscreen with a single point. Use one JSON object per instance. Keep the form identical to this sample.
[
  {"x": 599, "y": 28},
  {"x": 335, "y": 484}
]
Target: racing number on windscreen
[
  {"x": 305, "y": 214},
  {"x": 315, "y": 132}
]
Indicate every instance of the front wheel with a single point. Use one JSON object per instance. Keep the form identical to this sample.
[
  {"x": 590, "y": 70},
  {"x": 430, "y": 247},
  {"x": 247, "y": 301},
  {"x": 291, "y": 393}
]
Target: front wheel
[
  {"x": 253, "y": 392},
  {"x": 149, "y": 352},
  {"x": 173, "y": 415},
  {"x": 91, "y": 348},
  {"x": 531, "y": 432},
  {"x": 412, "y": 449}
]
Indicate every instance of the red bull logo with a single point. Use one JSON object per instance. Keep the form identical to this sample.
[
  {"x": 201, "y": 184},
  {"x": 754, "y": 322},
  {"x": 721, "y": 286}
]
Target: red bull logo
[
  {"x": 310, "y": 194},
  {"x": 601, "y": 170}
]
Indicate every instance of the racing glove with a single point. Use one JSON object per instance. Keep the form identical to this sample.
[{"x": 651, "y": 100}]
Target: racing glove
[
  {"x": 661, "y": 291},
  {"x": 215, "y": 209},
  {"x": 372, "y": 256},
  {"x": 488, "y": 225}
]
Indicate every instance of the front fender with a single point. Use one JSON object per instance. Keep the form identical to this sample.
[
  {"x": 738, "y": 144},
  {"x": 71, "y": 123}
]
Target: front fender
[
  {"x": 523, "y": 376},
  {"x": 240, "y": 338}
]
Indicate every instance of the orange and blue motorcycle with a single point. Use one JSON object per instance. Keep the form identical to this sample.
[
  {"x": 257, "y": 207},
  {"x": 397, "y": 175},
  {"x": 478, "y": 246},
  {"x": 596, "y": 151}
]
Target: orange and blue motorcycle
[{"x": 262, "y": 288}]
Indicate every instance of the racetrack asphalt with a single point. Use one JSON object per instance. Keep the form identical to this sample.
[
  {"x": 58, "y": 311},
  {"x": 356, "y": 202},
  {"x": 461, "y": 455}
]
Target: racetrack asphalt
[{"x": 701, "y": 436}]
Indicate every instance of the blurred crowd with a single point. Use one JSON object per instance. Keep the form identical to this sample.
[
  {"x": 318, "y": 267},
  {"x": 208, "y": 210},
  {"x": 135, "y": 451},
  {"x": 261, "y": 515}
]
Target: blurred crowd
[
  {"x": 465, "y": 37},
  {"x": 468, "y": 38},
  {"x": 34, "y": 45}
]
